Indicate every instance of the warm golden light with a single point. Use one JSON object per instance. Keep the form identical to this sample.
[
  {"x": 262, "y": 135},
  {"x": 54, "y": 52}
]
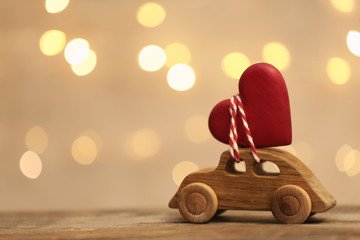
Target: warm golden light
[
  {"x": 354, "y": 169},
  {"x": 196, "y": 129},
  {"x": 76, "y": 51},
  {"x": 353, "y": 42},
  {"x": 36, "y": 140},
  {"x": 145, "y": 143},
  {"x": 95, "y": 136},
  {"x": 342, "y": 153},
  {"x": 181, "y": 77},
  {"x": 152, "y": 58},
  {"x": 52, "y": 42},
  {"x": 182, "y": 169},
  {"x": 30, "y": 165},
  {"x": 338, "y": 70},
  {"x": 343, "y": 5},
  {"x": 55, "y": 6},
  {"x": 277, "y": 55},
  {"x": 84, "y": 150},
  {"x": 177, "y": 53},
  {"x": 349, "y": 160},
  {"x": 85, "y": 67},
  {"x": 234, "y": 64},
  {"x": 150, "y": 14}
]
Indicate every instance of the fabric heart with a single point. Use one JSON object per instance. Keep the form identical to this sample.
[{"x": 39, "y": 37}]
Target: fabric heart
[{"x": 266, "y": 103}]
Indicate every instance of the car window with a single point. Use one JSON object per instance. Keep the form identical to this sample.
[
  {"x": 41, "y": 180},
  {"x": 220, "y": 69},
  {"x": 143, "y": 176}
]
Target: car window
[
  {"x": 267, "y": 168},
  {"x": 235, "y": 168},
  {"x": 240, "y": 167}
]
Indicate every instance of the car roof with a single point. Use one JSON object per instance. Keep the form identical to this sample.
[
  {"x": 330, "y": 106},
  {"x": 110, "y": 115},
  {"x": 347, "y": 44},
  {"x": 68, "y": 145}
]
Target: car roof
[{"x": 283, "y": 159}]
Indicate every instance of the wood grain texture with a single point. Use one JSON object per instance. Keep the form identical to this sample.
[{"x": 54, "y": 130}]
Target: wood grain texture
[
  {"x": 254, "y": 189},
  {"x": 198, "y": 202},
  {"x": 339, "y": 223},
  {"x": 291, "y": 204}
]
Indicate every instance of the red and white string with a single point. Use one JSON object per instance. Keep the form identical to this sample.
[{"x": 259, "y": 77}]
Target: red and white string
[{"x": 236, "y": 104}]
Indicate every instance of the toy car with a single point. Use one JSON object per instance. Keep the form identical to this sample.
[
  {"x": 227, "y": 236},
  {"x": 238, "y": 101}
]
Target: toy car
[{"x": 292, "y": 194}]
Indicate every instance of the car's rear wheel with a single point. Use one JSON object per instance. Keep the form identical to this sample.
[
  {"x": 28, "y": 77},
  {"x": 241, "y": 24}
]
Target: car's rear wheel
[
  {"x": 291, "y": 204},
  {"x": 198, "y": 202}
]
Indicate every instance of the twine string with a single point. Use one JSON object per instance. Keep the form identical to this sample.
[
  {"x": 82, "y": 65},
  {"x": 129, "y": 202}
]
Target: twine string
[{"x": 236, "y": 104}]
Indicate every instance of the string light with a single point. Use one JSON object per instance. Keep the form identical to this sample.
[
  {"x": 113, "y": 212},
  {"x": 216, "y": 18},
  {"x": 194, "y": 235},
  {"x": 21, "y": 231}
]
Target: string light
[
  {"x": 55, "y": 6},
  {"x": 52, "y": 42},
  {"x": 234, "y": 64},
  {"x": 277, "y": 54},
  {"x": 36, "y": 140},
  {"x": 152, "y": 58},
  {"x": 76, "y": 51},
  {"x": 181, "y": 77},
  {"x": 144, "y": 143},
  {"x": 84, "y": 150},
  {"x": 182, "y": 169},
  {"x": 338, "y": 70},
  {"x": 177, "y": 53},
  {"x": 353, "y": 42},
  {"x": 150, "y": 14},
  {"x": 86, "y": 66},
  {"x": 30, "y": 165},
  {"x": 343, "y": 5}
]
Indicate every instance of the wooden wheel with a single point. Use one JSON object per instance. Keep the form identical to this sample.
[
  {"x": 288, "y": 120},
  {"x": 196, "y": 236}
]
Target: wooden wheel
[
  {"x": 291, "y": 204},
  {"x": 197, "y": 202}
]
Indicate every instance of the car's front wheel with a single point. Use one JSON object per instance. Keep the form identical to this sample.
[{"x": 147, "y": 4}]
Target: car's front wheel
[
  {"x": 198, "y": 202},
  {"x": 291, "y": 204}
]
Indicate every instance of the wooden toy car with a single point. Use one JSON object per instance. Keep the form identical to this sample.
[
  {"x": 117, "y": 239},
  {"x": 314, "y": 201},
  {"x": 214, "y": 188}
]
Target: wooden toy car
[{"x": 292, "y": 194}]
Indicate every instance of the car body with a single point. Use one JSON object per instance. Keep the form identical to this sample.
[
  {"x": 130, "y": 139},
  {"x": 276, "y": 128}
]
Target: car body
[{"x": 254, "y": 188}]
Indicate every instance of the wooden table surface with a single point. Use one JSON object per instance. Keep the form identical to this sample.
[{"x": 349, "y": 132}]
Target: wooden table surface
[{"x": 338, "y": 223}]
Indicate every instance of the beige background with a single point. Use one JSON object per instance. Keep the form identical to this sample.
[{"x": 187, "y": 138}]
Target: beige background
[{"x": 118, "y": 98}]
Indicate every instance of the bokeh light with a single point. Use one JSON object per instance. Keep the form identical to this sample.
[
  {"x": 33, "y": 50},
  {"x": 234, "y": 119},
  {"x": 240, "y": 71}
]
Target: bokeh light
[
  {"x": 349, "y": 160},
  {"x": 277, "y": 54},
  {"x": 52, "y": 42},
  {"x": 30, "y": 165},
  {"x": 150, "y": 14},
  {"x": 84, "y": 150},
  {"x": 152, "y": 58},
  {"x": 182, "y": 169},
  {"x": 144, "y": 143},
  {"x": 86, "y": 66},
  {"x": 36, "y": 140},
  {"x": 56, "y": 6},
  {"x": 353, "y": 42},
  {"x": 177, "y": 53},
  {"x": 354, "y": 169},
  {"x": 95, "y": 136},
  {"x": 343, "y": 5},
  {"x": 338, "y": 70},
  {"x": 234, "y": 64},
  {"x": 196, "y": 129},
  {"x": 77, "y": 50},
  {"x": 181, "y": 77},
  {"x": 344, "y": 152}
]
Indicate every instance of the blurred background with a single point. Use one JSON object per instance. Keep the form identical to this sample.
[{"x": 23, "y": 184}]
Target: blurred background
[{"x": 104, "y": 104}]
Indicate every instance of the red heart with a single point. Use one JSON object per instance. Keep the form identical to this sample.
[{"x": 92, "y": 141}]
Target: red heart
[{"x": 266, "y": 103}]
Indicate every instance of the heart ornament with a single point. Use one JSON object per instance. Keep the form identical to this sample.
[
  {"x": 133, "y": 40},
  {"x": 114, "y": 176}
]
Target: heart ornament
[{"x": 265, "y": 99}]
